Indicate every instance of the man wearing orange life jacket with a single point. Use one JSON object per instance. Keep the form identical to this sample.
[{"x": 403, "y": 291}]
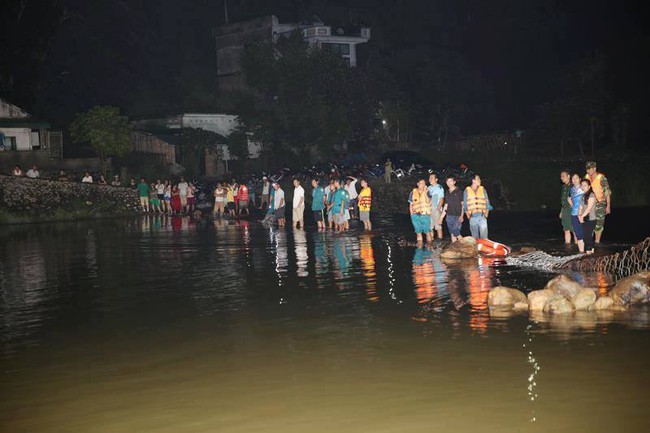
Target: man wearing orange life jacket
[
  {"x": 600, "y": 187},
  {"x": 477, "y": 208},
  {"x": 420, "y": 210}
]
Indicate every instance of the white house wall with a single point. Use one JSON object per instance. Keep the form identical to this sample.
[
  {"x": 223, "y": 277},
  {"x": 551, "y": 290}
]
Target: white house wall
[{"x": 23, "y": 137}]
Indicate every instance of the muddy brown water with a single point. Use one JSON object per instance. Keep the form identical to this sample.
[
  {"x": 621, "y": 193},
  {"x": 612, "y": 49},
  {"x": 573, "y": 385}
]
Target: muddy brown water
[{"x": 169, "y": 325}]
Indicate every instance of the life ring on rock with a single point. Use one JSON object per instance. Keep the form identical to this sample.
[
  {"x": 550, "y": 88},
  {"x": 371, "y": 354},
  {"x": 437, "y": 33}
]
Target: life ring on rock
[{"x": 492, "y": 249}]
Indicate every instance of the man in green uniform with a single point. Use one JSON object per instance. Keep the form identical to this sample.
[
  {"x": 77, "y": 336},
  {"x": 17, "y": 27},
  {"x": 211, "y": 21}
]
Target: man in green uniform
[{"x": 565, "y": 207}]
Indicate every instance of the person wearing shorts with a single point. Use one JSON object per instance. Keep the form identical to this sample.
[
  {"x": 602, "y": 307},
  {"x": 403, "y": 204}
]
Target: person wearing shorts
[
  {"x": 230, "y": 200},
  {"x": 143, "y": 192},
  {"x": 365, "y": 202},
  {"x": 420, "y": 210},
  {"x": 219, "y": 201},
  {"x": 318, "y": 201},
  {"x": 279, "y": 204},
  {"x": 191, "y": 198},
  {"x": 437, "y": 194},
  {"x": 168, "y": 196},
  {"x": 452, "y": 211},
  {"x": 244, "y": 199},
  {"x": 600, "y": 187}
]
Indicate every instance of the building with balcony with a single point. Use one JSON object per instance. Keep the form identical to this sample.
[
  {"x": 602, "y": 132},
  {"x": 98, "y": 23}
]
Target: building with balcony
[{"x": 232, "y": 38}]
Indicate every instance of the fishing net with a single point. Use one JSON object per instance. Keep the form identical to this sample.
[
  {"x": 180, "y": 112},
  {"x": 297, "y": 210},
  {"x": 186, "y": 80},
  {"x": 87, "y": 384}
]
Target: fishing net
[
  {"x": 628, "y": 262},
  {"x": 625, "y": 263},
  {"x": 541, "y": 260}
]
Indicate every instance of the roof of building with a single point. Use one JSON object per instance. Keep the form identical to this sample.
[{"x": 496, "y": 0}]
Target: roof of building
[
  {"x": 23, "y": 123},
  {"x": 11, "y": 111}
]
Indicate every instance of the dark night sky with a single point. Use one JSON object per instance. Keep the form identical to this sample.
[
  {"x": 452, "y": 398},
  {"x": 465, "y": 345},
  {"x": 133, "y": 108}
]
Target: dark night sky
[{"x": 155, "y": 57}]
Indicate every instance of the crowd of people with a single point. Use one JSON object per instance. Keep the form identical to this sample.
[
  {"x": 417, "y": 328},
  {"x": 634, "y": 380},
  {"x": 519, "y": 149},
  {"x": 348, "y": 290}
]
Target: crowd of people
[
  {"x": 431, "y": 205},
  {"x": 585, "y": 202},
  {"x": 333, "y": 204}
]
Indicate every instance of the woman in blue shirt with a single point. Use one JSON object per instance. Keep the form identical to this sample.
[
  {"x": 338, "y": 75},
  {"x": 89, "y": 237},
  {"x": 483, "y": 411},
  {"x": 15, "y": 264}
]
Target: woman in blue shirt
[{"x": 574, "y": 199}]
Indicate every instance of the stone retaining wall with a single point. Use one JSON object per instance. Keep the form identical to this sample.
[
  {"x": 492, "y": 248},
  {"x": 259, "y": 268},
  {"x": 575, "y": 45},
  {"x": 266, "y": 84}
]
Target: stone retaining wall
[{"x": 31, "y": 200}]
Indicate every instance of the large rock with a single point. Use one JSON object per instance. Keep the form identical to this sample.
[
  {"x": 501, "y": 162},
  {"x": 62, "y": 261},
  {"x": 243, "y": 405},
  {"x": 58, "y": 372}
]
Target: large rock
[
  {"x": 558, "y": 304},
  {"x": 565, "y": 286},
  {"x": 507, "y": 298},
  {"x": 603, "y": 303},
  {"x": 632, "y": 290},
  {"x": 584, "y": 300},
  {"x": 537, "y": 299},
  {"x": 462, "y": 249}
]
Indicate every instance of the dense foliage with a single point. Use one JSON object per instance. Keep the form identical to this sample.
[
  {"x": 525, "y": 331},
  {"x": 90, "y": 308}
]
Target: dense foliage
[{"x": 108, "y": 132}]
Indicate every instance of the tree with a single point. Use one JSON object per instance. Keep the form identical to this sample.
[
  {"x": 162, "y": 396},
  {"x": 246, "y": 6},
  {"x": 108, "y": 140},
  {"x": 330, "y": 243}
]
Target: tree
[
  {"x": 105, "y": 129},
  {"x": 196, "y": 143},
  {"x": 300, "y": 102}
]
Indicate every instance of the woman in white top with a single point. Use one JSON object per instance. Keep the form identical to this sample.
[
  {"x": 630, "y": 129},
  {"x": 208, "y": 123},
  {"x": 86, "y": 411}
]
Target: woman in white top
[
  {"x": 168, "y": 196},
  {"x": 17, "y": 171},
  {"x": 87, "y": 178}
]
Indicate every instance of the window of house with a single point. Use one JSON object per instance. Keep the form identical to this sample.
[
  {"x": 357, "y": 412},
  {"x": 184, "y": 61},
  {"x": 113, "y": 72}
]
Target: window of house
[{"x": 343, "y": 49}]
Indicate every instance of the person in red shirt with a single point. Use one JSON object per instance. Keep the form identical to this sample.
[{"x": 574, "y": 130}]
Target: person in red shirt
[{"x": 243, "y": 196}]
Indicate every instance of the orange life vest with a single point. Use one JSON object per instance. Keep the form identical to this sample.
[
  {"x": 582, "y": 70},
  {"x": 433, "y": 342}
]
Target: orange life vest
[
  {"x": 243, "y": 193},
  {"x": 476, "y": 200},
  {"x": 365, "y": 199},
  {"x": 421, "y": 202},
  {"x": 597, "y": 185}
]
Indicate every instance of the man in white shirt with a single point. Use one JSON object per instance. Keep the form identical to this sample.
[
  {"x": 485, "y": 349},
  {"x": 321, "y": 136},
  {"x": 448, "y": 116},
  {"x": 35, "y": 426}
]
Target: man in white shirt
[
  {"x": 351, "y": 188},
  {"x": 278, "y": 204},
  {"x": 298, "y": 204},
  {"x": 87, "y": 178},
  {"x": 33, "y": 173},
  {"x": 182, "y": 192}
]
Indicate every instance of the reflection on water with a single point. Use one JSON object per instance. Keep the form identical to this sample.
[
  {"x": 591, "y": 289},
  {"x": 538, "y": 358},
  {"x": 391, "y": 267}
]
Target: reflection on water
[{"x": 178, "y": 325}]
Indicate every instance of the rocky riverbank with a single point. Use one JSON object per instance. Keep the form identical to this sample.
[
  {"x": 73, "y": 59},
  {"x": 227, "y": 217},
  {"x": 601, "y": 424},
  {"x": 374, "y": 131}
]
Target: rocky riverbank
[{"x": 24, "y": 200}]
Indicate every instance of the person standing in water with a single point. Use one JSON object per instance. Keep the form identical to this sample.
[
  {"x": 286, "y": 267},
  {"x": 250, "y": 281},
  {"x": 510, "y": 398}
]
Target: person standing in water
[
  {"x": 318, "y": 201},
  {"x": 298, "y": 208},
  {"x": 453, "y": 209},
  {"x": 437, "y": 194},
  {"x": 420, "y": 210},
  {"x": 565, "y": 206},
  {"x": 587, "y": 215},
  {"x": 477, "y": 208},
  {"x": 574, "y": 201},
  {"x": 600, "y": 187},
  {"x": 365, "y": 203},
  {"x": 279, "y": 204}
]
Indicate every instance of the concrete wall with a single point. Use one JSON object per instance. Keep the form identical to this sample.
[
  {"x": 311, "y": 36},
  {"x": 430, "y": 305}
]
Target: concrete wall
[{"x": 146, "y": 143}]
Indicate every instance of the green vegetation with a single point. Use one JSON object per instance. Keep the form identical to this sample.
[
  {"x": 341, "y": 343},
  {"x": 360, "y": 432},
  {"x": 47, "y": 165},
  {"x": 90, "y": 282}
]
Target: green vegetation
[{"x": 105, "y": 129}]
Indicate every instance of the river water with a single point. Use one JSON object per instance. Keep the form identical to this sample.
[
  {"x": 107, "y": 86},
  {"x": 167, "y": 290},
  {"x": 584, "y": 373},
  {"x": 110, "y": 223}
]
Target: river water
[{"x": 171, "y": 325}]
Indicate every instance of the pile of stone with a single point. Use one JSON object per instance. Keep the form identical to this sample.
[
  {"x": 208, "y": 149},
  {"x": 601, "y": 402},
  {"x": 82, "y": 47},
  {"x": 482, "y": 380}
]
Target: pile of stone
[
  {"x": 562, "y": 295},
  {"x": 463, "y": 249},
  {"x": 24, "y": 199}
]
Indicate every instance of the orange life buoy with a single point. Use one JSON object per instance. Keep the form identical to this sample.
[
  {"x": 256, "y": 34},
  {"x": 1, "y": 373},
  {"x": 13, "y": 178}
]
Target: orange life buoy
[{"x": 492, "y": 249}]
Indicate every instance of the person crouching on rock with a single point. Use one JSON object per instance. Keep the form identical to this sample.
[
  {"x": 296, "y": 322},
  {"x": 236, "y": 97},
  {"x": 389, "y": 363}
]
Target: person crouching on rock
[{"x": 420, "y": 210}]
